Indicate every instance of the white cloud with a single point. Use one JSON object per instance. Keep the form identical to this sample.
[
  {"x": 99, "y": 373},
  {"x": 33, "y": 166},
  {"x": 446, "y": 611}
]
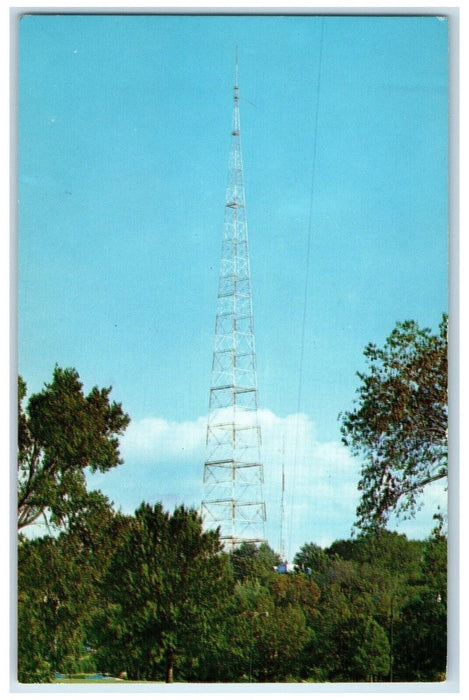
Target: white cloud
[
  {"x": 152, "y": 440},
  {"x": 320, "y": 477},
  {"x": 320, "y": 482},
  {"x": 164, "y": 462}
]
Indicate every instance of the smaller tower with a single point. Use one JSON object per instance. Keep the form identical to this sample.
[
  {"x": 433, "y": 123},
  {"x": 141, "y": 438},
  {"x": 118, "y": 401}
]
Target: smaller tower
[
  {"x": 233, "y": 472},
  {"x": 282, "y": 506}
]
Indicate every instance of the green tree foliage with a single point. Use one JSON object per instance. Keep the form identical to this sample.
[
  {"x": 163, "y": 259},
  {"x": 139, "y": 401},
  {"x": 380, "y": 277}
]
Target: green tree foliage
[
  {"x": 421, "y": 630},
  {"x": 52, "y": 602},
  {"x": 313, "y": 559},
  {"x": 367, "y": 584},
  {"x": 420, "y": 640},
  {"x": 277, "y": 644},
  {"x": 60, "y": 433},
  {"x": 385, "y": 550},
  {"x": 166, "y": 585},
  {"x": 371, "y": 657},
  {"x": 154, "y": 595},
  {"x": 37, "y": 609},
  {"x": 271, "y": 622},
  {"x": 289, "y": 628},
  {"x": 399, "y": 424},
  {"x": 59, "y": 588},
  {"x": 252, "y": 562},
  {"x": 342, "y": 625}
]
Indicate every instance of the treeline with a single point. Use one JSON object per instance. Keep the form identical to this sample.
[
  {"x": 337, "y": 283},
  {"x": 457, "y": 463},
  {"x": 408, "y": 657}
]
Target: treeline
[{"x": 152, "y": 597}]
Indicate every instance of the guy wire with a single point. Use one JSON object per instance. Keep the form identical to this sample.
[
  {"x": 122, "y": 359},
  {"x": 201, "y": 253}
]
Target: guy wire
[{"x": 307, "y": 275}]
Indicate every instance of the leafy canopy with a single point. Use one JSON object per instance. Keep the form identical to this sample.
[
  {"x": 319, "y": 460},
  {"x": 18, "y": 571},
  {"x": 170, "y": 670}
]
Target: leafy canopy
[
  {"x": 399, "y": 423},
  {"x": 166, "y": 586},
  {"x": 60, "y": 433}
]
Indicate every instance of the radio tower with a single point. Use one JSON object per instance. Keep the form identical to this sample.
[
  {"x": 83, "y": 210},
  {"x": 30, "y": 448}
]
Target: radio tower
[{"x": 233, "y": 472}]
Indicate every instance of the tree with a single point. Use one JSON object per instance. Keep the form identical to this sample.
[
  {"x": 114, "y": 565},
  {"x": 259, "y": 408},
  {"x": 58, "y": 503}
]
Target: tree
[
  {"x": 421, "y": 639},
  {"x": 421, "y": 632},
  {"x": 60, "y": 433},
  {"x": 365, "y": 584},
  {"x": 399, "y": 424},
  {"x": 252, "y": 562},
  {"x": 268, "y": 627},
  {"x": 53, "y": 598},
  {"x": 278, "y": 642},
  {"x": 370, "y": 661},
  {"x": 332, "y": 650},
  {"x": 59, "y": 590},
  {"x": 166, "y": 588},
  {"x": 312, "y": 558}
]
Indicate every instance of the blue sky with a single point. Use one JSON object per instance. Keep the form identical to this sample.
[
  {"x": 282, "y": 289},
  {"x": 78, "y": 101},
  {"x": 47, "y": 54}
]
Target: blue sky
[{"x": 124, "y": 136}]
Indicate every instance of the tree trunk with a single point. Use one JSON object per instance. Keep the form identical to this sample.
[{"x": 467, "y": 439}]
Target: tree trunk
[{"x": 169, "y": 665}]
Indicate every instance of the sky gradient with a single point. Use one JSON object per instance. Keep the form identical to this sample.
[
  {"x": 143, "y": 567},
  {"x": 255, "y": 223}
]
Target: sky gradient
[{"x": 124, "y": 136}]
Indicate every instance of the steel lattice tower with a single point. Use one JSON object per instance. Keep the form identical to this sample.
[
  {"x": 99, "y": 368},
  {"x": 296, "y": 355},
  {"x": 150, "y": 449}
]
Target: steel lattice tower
[{"x": 233, "y": 472}]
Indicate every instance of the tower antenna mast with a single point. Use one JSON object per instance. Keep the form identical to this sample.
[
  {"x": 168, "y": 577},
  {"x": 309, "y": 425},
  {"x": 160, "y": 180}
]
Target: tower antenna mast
[
  {"x": 236, "y": 67},
  {"x": 233, "y": 472},
  {"x": 282, "y": 506}
]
